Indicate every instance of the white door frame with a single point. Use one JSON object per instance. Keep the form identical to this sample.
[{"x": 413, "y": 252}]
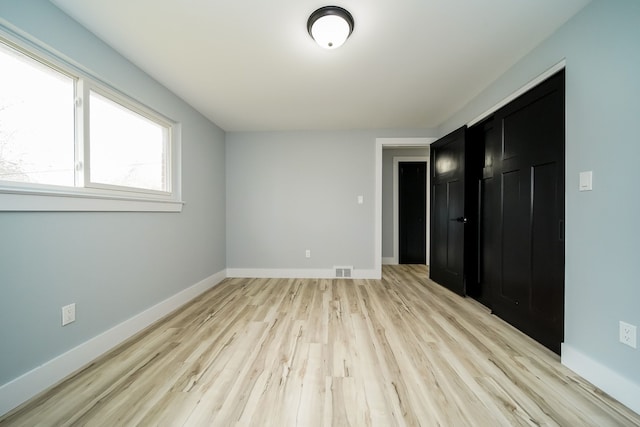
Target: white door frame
[{"x": 377, "y": 232}]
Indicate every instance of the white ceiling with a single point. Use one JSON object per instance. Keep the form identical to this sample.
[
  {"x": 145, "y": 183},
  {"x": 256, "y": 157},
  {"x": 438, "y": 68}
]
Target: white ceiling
[{"x": 250, "y": 65}]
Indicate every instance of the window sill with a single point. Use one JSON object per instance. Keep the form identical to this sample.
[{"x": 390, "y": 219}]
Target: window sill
[{"x": 28, "y": 201}]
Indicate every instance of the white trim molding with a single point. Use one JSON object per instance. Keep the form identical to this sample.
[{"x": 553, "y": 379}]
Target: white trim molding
[
  {"x": 21, "y": 201},
  {"x": 297, "y": 273},
  {"x": 530, "y": 85},
  {"x": 609, "y": 381},
  {"x": 23, "y": 388}
]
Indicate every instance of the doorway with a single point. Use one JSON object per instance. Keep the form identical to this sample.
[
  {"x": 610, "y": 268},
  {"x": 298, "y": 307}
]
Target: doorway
[
  {"x": 397, "y": 160},
  {"x": 382, "y": 143},
  {"x": 412, "y": 212}
]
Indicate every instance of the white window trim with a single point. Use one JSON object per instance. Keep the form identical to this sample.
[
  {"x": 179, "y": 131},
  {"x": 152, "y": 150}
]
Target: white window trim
[
  {"x": 20, "y": 201},
  {"x": 18, "y": 197}
]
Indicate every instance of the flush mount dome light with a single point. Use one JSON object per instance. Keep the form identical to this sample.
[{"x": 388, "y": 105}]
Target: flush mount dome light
[{"x": 330, "y": 26}]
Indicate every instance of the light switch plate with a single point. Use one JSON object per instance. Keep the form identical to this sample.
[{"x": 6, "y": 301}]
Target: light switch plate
[
  {"x": 68, "y": 314},
  {"x": 586, "y": 181}
]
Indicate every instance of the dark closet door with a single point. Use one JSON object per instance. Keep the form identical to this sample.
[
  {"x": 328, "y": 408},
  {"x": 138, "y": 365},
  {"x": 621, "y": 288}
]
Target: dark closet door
[
  {"x": 412, "y": 212},
  {"x": 448, "y": 211},
  {"x": 530, "y": 290}
]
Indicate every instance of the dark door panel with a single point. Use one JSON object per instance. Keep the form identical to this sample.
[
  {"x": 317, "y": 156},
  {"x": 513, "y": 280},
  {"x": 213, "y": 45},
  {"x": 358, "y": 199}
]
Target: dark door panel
[
  {"x": 456, "y": 228},
  {"x": 439, "y": 231},
  {"x": 529, "y": 287},
  {"x": 448, "y": 218},
  {"x": 545, "y": 236},
  {"x": 487, "y": 251},
  {"x": 515, "y": 252},
  {"x": 412, "y": 212}
]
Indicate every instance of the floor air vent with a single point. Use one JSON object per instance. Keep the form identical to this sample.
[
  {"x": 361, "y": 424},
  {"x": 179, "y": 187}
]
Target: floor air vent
[{"x": 343, "y": 271}]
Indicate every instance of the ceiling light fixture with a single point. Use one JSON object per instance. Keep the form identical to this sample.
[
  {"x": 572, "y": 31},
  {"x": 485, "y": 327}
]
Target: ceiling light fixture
[{"x": 330, "y": 26}]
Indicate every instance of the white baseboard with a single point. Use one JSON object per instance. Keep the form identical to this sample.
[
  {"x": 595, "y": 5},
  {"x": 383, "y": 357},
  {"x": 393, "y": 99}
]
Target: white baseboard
[
  {"x": 28, "y": 385},
  {"x": 389, "y": 260},
  {"x": 615, "y": 385},
  {"x": 298, "y": 273}
]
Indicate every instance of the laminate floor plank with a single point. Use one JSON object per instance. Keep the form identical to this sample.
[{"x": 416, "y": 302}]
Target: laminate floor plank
[{"x": 401, "y": 351}]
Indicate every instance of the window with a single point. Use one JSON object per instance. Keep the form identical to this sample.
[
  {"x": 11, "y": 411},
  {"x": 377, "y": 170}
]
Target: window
[
  {"x": 126, "y": 149},
  {"x": 36, "y": 121},
  {"x": 68, "y": 142}
]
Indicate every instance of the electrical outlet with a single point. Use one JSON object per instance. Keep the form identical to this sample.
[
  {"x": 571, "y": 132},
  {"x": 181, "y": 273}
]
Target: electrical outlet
[
  {"x": 628, "y": 334},
  {"x": 307, "y": 253},
  {"x": 68, "y": 314}
]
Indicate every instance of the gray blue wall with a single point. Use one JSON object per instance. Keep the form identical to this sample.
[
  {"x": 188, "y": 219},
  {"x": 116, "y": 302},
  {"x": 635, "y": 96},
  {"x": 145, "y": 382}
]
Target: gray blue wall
[
  {"x": 292, "y": 191},
  {"x": 112, "y": 265},
  {"x": 602, "y": 50}
]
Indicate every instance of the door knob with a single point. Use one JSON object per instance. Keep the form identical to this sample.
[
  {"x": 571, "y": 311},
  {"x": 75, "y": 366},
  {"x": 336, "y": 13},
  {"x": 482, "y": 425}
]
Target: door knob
[{"x": 460, "y": 219}]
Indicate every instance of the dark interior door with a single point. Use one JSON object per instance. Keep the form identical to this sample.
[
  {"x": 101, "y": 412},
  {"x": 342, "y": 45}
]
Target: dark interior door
[
  {"x": 529, "y": 273},
  {"x": 412, "y": 212},
  {"x": 448, "y": 211}
]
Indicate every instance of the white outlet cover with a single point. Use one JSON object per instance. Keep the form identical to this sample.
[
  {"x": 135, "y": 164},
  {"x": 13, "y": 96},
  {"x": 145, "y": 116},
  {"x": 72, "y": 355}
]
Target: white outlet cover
[{"x": 628, "y": 334}]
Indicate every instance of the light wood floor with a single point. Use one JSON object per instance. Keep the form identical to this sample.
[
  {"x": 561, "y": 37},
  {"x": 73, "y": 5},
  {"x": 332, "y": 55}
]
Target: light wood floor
[{"x": 290, "y": 352}]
